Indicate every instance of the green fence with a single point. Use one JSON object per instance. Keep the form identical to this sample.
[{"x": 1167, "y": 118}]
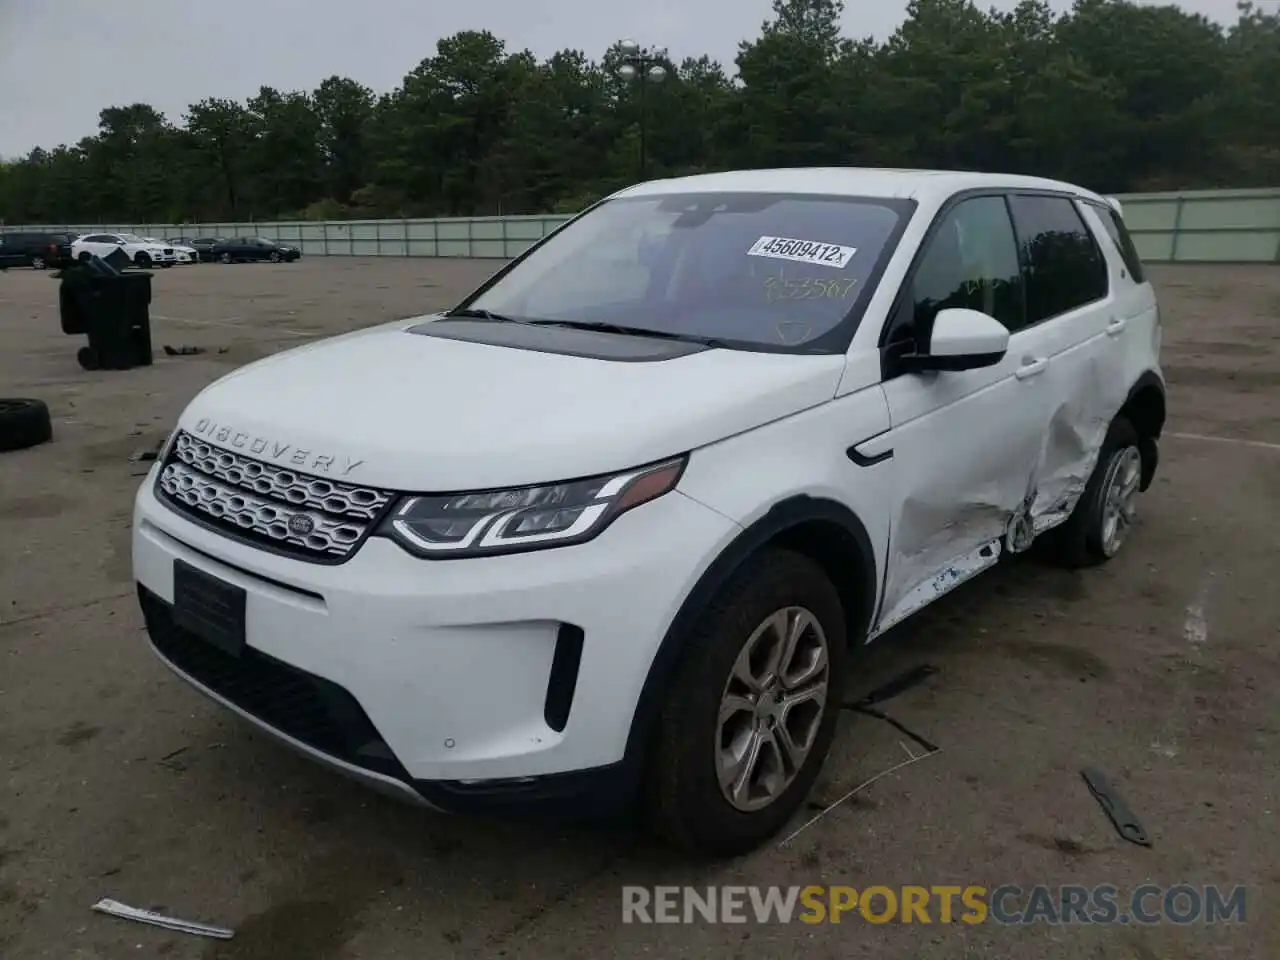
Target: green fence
[
  {"x": 1205, "y": 226},
  {"x": 1202, "y": 226},
  {"x": 473, "y": 237}
]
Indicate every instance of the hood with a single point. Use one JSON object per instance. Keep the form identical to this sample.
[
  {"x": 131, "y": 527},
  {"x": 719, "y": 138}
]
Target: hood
[{"x": 407, "y": 412}]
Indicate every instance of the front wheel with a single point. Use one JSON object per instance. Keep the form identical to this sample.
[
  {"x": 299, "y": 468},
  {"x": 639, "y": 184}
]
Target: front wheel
[
  {"x": 1104, "y": 516},
  {"x": 225, "y": 258},
  {"x": 38, "y": 263},
  {"x": 275, "y": 256},
  {"x": 142, "y": 261},
  {"x": 749, "y": 719}
]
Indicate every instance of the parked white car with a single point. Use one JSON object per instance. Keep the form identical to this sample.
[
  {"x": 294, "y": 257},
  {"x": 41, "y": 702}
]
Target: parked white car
[
  {"x": 615, "y": 524},
  {"x": 181, "y": 252},
  {"x": 142, "y": 251}
]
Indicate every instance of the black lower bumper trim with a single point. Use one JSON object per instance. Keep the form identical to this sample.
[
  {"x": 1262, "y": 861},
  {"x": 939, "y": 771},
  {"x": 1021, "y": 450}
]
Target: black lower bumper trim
[
  {"x": 307, "y": 708},
  {"x": 327, "y": 718},
  {"x": 600, "y": 793}
]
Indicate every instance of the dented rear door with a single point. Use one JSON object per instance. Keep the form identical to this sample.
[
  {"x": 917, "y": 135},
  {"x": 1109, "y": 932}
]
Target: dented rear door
[{"x": 1071, "y": 308}]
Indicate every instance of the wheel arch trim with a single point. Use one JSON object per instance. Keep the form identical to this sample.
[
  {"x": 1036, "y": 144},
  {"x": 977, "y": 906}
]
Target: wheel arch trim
[
  {"x": 784, "y": 516},
  {"x": 1152, "y": 425}
]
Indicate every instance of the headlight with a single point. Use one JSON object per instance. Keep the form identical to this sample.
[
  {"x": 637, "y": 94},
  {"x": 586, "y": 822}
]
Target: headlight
[{"x": 524, "y": 518}]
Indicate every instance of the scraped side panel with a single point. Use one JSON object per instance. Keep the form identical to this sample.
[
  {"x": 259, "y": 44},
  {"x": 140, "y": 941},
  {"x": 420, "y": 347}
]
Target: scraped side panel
[{"x": 966, "y": 451}]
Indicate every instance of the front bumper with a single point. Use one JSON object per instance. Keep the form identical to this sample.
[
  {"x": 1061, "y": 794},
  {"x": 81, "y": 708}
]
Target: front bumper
[{"x": 443, "y": 680}]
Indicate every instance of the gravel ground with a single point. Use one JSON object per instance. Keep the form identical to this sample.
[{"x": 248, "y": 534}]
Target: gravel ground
[{"x": 1162, "y": 669}]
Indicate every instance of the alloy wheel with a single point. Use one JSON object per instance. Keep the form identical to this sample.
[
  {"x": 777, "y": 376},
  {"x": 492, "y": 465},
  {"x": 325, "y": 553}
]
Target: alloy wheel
[
  {"x": 1119, "y": 498},
  {"x": 771, "y": 708}
]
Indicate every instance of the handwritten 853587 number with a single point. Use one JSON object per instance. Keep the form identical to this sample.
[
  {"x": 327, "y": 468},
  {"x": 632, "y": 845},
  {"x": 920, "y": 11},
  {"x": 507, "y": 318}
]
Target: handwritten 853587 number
[{"x": 807, "y": 288}]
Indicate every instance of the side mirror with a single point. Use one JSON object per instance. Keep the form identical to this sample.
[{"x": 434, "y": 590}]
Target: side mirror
[{"x": 962, "y": 339}]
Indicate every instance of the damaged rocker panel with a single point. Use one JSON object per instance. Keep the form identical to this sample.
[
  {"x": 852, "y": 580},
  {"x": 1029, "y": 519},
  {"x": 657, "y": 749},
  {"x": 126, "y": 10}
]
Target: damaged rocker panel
[{"x": 958, "y": 571}]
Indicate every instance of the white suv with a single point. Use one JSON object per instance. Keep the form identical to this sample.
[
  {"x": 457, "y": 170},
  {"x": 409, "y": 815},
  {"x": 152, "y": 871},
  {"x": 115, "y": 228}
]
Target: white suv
[
  {"x": 143, "y": 251},
  {"x": 616, "y": 524}
]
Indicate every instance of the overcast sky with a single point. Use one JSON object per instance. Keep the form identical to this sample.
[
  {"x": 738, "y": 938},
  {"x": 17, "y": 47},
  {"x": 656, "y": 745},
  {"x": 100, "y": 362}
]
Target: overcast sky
[{"x": 62, "y": 61}]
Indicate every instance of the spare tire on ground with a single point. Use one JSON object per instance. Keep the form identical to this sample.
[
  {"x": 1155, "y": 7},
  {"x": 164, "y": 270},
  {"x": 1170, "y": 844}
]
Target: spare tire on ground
[{"x": 24, "y": 423}]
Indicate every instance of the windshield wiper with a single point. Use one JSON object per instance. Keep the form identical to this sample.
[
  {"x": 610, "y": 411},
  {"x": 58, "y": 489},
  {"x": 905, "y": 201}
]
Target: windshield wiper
[
  {"x": 605, "y": 327},
  {"x": 472, "y": 313}
]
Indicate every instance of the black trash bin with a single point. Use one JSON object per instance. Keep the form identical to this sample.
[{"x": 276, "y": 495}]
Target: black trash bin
[{"x": 113, "y": 308}]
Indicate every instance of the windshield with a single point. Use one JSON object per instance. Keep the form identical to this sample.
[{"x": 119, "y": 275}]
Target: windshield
[{"x": 753, "y": 270}]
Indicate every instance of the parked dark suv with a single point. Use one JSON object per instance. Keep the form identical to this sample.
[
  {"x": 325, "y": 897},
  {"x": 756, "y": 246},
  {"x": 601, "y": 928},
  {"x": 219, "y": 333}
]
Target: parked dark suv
[{"x": 35, "y": 249}]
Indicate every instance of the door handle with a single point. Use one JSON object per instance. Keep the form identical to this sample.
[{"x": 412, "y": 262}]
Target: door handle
[
  {"x": 1115, "y": 327},
  {"x": 1030, "y": 367}
]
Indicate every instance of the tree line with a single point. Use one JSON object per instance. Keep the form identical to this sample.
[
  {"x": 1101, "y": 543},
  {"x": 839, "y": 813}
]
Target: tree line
[{"x": 1115, "y": 95}]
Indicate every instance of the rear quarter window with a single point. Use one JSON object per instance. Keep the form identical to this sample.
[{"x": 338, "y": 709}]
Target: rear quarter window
[{"x": 1123, "y": 240}]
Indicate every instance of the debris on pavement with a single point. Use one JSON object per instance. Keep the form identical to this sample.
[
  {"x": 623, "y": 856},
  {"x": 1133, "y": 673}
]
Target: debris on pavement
[
  {"x": 171, "y": 760},
  {"x": 1114, "y": 806},
  {"x": 183, "y": 351},
  {"x": 898, "y": 685},
  {"x": 911, "y": 758},
  {"x": 116, "y": 909}
]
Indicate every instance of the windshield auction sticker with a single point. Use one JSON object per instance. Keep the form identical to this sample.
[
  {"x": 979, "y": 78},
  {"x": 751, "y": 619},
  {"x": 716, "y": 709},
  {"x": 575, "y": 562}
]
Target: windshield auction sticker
[{"x": 803, "y": 251}]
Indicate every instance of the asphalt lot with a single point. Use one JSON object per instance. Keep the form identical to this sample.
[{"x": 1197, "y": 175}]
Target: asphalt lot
[{"x": 1162, "y": 669}]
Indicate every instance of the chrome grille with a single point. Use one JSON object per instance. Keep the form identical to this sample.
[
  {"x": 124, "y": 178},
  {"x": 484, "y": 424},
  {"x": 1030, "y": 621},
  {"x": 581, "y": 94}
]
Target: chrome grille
[{"x": 260, "y": 500}]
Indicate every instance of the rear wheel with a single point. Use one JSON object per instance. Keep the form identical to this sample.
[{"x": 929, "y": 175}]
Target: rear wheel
[
  {"x": 85, "y": 256},
  {"x": 38, "y": 262},
  {"x": 750, "y": 716},
  {"x": 1104, "y": 516},
  {"x": 225, "y": 257}
]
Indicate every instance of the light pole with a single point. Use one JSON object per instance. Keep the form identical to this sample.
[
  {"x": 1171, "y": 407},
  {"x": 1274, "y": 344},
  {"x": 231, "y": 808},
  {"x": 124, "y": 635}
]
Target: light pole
[{"x": 638, "y": 64}]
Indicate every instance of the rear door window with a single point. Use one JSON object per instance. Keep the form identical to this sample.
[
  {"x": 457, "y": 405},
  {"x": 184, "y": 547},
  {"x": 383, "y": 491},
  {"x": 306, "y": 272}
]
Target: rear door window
[{"x": 1064, "y": 266}]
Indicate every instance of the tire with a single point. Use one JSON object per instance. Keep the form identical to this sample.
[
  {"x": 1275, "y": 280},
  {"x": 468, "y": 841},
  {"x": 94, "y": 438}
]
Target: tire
[
  {"x": 1083, "y": 539},
  {"x": 38, "y": 263},
  {"x": 24, "y": 423},
  {"x": 275, "y": 256},
  {"x": 141, "y": 261},
  {"x": 88, "y": 358},
  {"x": 84, "y": 256},
  {"x": 165, "y": 266},
  {"x": 684, "y": 800},
  {"x": 225, "y": 258}
]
